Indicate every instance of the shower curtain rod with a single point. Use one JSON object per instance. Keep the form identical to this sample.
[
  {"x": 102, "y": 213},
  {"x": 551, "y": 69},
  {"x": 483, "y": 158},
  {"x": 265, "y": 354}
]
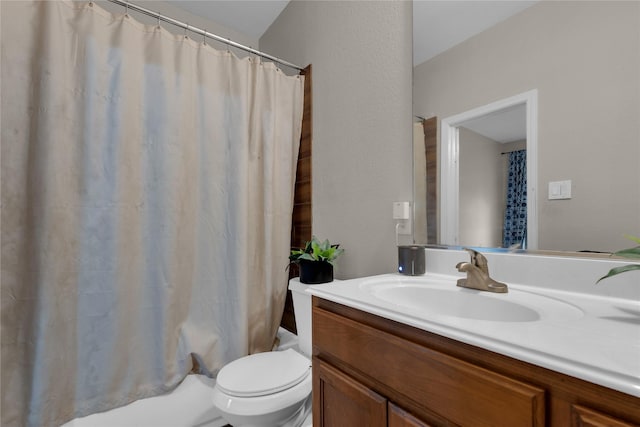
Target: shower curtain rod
[{"x": 204, "y": 33}]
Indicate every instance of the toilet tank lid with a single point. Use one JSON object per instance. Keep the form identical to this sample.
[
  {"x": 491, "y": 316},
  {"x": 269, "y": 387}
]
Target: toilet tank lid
[{"x": 261, "y": 374}]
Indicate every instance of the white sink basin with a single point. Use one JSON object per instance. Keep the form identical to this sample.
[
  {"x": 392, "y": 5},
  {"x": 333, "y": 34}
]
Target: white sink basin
[{"x": 443, "y": 298}]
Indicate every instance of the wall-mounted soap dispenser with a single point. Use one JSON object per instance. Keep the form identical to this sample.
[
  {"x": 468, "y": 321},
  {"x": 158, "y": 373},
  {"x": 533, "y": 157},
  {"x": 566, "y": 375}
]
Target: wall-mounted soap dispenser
[{"x": 411, "y": 260}]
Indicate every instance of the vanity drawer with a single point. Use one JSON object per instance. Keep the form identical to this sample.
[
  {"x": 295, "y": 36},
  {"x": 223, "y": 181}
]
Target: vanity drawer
[{"x": 455, "y": 390}]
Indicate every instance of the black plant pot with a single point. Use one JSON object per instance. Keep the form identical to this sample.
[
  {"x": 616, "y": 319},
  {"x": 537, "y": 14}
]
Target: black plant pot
[{"x": 315, "y": 272}]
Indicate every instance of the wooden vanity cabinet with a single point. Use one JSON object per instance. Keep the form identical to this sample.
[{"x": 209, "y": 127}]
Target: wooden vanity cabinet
[
  {"x": 371, "y": 371},
  {"x": 344, "y": 401}
]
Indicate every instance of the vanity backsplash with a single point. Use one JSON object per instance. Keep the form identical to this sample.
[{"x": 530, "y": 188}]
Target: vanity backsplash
[{"x": 573, "y": 274}]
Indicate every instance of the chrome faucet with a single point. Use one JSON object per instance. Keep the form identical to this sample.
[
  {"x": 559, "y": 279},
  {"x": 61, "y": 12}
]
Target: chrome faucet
[{"x": 478, "y": 274}]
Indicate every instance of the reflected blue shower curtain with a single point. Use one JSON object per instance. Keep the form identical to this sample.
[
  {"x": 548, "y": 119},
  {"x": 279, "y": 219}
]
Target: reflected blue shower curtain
[{"x": 515, "y": 214}]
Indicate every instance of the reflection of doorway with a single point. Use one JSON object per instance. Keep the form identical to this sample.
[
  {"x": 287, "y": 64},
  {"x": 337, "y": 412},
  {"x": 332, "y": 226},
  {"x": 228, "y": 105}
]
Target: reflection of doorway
[
  {"x": 465, "y": 193},
  {"x": 483, "y": 182}
]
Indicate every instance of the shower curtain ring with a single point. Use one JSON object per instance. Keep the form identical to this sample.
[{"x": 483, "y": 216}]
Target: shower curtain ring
[
  {"x": 126, "y": 9},
  {"x": 185, "y": 31},
  {"x": 204, "y": 38},
  {"x": 158, "y": 21}
]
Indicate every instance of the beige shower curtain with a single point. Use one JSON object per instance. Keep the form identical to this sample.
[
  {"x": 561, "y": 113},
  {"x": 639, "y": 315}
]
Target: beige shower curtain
[{"x": 147, "y": 189}]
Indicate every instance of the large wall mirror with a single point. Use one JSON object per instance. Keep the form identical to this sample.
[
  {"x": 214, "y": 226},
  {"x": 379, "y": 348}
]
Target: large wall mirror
[{"x": 573, "y": 132}]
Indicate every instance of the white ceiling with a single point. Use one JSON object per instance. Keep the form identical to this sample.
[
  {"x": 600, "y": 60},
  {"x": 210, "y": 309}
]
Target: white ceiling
[
  {"x": 251, "y": 17},
  {"x": 503, "y": 126},
  {"x": 437, "y": 25},
  {"x": 440, "y": 25}
]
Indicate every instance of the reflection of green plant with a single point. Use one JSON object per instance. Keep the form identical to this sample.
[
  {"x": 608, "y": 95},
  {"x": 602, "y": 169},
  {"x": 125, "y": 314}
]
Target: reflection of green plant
[
  {"x": 631, "y": 253},
  {"x": 315, "y": 250}
]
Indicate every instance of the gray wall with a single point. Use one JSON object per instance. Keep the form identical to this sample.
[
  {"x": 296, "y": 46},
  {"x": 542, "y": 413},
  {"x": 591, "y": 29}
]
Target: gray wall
[
  {"x": 584, "y": 59},
  {"x": 362, "y": 129},
  {"x": 481, "y": 190}
]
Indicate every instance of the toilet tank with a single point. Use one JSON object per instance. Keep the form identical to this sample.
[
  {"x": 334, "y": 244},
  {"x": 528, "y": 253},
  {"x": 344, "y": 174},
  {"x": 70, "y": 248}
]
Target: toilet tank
[{"x": 302, "y": 310}]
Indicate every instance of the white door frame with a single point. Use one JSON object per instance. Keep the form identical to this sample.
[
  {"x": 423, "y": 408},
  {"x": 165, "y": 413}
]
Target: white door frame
[{"x": 449, "y": 161}]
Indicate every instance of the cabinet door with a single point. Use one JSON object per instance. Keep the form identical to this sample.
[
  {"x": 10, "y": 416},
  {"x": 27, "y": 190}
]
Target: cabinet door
[
  {"x": 585, "y": 417},
  {"x": 398, "y": 417},
  {"x": 339, "y": 400},
  {"x": 461, "y": 392}
]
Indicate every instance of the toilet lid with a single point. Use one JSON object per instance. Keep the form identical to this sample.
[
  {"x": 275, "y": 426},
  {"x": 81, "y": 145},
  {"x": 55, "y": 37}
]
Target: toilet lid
[{"x": 263, "y": 373}]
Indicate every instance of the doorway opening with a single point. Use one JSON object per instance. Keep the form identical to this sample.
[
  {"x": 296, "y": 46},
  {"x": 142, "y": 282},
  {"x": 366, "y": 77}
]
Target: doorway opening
[{"x": 450, "y": 136}]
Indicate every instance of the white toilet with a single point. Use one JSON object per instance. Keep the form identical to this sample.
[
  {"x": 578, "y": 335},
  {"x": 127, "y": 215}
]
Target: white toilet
[{"x": 273, "y": 388}]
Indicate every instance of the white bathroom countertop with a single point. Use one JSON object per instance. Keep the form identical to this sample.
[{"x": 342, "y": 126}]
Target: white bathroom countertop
[{"x": 596, "y": 338}]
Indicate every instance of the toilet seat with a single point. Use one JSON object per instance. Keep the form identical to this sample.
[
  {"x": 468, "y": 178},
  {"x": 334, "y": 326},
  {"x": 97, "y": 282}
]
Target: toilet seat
[
  {"x": 293, "y": 392},
  {"x": 263, "y": 374}
]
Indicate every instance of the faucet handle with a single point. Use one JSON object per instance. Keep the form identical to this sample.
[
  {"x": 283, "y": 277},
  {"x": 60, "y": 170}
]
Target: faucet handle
[
  {"x": 478, "y": 260},
  {"x": 478, "y": 274}
]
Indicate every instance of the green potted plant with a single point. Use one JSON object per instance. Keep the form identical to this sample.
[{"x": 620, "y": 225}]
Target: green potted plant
[
  {"x": 316, "y": 261},
  {"x": 631, "y": 253}
]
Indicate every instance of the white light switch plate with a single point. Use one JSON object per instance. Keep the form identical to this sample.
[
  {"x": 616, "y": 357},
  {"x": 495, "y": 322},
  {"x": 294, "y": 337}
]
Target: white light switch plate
[{"x": 560, "y": 190}]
